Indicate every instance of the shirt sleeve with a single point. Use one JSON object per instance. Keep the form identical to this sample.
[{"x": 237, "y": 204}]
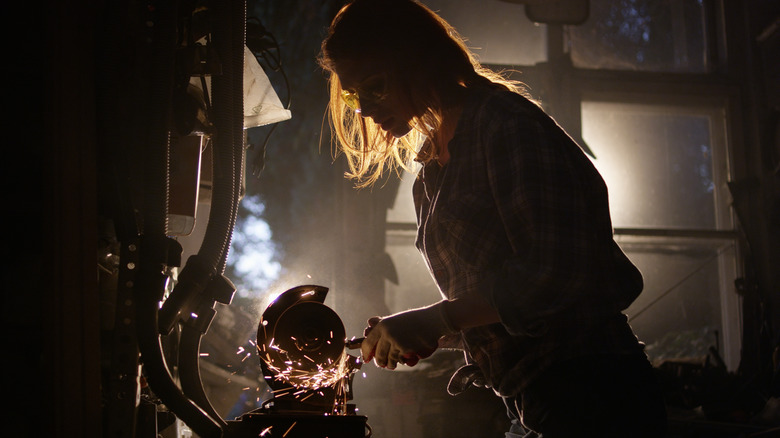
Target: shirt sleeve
[{"x": 554, "y": 210}]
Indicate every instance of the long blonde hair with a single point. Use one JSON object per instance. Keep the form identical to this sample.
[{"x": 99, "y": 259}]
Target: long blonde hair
[{"x": 427, "y": 55}]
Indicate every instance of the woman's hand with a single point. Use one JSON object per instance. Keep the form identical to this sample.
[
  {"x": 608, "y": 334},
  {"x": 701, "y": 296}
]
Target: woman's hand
[{"x": 405, "y": 337}]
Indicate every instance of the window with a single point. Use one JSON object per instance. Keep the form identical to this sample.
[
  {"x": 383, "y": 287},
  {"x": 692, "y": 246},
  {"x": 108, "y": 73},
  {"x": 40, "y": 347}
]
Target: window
[
  {"x": 666, "y": 168},
  {"x": 664, "y": 164},
  {"x": 648, "y": 35}
]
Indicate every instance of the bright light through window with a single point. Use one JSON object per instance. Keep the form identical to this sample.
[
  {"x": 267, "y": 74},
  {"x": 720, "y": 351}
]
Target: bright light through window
[
  {"x": 658, "y": 162},
  {"x": 666, "y": 169}
]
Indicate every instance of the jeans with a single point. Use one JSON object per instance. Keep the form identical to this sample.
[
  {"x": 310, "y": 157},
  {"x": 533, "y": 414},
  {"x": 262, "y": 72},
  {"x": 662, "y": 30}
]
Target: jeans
[{"x": 613, "y": 396}]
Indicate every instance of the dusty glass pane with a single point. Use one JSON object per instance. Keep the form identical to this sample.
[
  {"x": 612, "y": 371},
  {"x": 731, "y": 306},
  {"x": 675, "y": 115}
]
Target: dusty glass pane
[
  {"x": 657, "y": 162},
  {"x": 498, "y": 32},
  {"x": 682, "y": 311},
  {"x": 646, "y": 35}
]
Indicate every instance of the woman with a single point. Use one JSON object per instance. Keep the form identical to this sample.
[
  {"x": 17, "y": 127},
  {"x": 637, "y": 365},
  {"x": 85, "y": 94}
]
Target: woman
[{"x": 513, "y": 222}]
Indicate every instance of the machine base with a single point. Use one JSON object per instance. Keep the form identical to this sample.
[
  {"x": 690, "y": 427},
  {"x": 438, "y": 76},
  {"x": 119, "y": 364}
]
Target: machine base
[{"x": 304, "y": 425}]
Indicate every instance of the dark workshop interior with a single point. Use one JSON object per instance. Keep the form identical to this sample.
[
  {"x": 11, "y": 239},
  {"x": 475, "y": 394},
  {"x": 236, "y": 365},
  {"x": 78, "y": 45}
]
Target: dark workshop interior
[{"x": 185, "y": 208}]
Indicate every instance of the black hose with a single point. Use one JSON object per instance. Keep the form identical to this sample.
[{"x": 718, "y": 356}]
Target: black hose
[
  {"x": 228, "y": 93},
  {"x": 156, "y": 370},
  {"x": 151, "y": 280},
  {"x": 228, "y": 153},
  {"x": 230, "y": 25},
  {"x": 238, "y": 42}
]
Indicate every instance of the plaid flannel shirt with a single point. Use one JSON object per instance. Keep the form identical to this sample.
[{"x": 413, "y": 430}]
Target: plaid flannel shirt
[{"x": 520, "y": 215}]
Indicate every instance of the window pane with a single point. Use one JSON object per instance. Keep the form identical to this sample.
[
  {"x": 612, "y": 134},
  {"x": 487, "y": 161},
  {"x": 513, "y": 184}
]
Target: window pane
[
  {"x": 498, "y": 32},
  {"x": 658, "y": 164},
  {"x": 688, "y": 303},
  {"x": 647, "y": 35}
]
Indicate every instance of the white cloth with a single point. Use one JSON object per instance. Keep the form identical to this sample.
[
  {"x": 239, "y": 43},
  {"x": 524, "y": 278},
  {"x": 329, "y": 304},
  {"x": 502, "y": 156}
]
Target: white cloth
[{"x": 261, "y": 104}]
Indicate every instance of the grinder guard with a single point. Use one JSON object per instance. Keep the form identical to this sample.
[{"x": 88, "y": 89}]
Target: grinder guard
[{"x": 302, "y": 346}]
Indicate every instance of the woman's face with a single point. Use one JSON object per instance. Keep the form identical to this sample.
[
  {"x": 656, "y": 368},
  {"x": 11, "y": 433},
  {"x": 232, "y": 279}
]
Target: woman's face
[{"x": 375, "y": 95}]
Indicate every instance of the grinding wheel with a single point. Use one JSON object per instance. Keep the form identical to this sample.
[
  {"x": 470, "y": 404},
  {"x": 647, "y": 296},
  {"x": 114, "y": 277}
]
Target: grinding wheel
[
  {"x": 310, "y": 335},
  {"x": 301, "y": 340}
]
